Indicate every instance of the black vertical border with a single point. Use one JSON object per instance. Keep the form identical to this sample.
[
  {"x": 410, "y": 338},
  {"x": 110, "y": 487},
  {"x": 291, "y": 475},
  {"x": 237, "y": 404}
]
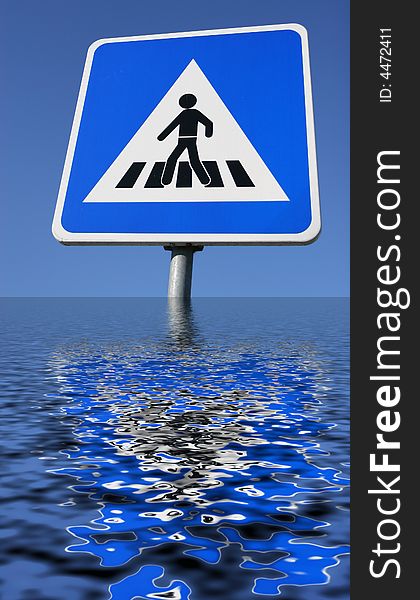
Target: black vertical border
[{"x": 379, "y": 127}]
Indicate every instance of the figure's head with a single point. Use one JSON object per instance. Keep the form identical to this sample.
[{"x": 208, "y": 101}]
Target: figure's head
[{"x": 187, "y": 101}]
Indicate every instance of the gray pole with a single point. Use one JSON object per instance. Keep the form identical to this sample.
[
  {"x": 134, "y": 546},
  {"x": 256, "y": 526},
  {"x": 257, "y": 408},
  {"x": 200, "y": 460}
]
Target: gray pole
[{"x": 180, "y": 270}]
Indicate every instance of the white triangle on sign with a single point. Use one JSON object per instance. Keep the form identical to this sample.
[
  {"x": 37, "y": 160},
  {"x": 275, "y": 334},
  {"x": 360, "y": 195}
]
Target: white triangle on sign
[{"x": 227, "y": 144}]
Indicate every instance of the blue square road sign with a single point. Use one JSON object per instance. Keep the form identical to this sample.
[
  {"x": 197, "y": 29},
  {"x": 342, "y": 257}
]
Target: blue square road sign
[{"x": 204, "y": 137}]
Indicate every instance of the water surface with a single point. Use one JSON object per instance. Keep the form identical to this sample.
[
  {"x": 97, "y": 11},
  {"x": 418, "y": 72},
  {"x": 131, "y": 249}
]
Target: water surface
[{"x": 172, "y": 452}]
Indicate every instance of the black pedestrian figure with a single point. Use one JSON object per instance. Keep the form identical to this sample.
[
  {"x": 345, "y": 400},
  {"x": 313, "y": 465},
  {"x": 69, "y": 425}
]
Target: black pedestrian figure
[{"x": 187, "y": 121}]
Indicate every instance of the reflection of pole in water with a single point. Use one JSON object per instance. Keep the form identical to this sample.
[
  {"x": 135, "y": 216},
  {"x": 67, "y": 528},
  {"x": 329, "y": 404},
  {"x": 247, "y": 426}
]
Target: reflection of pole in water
[{"x": 181, "y": 321}]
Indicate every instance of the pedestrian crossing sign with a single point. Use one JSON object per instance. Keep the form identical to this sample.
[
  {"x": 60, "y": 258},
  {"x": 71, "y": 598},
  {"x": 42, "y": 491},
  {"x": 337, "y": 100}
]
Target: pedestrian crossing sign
[{"x": 203, "y": 137}]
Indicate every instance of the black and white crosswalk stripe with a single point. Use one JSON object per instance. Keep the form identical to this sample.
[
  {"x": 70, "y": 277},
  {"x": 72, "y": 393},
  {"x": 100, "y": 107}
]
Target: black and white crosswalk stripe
[{"x": 184, "y": 177}]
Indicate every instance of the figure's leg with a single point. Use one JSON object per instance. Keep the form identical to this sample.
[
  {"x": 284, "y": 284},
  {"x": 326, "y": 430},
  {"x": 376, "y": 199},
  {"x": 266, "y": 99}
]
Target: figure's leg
[
  {"x": 169, "y": 170},
  {"x": 196, "y": 163}
]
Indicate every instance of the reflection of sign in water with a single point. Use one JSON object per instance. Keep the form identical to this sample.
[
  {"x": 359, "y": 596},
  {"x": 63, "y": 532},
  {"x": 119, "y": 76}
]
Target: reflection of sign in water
[
  {"x": 220, "y": 472},
  {"x": 220, "y": 162},
  {"x": 196, "y": 137}
]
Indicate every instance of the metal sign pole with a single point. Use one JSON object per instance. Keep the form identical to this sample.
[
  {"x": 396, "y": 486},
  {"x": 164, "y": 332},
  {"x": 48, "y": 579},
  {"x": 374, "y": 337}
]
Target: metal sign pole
[{"x": 180, "y": 270}]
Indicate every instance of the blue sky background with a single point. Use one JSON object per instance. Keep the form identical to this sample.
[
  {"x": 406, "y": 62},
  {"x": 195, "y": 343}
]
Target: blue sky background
[{"x": 43, "y": 51}]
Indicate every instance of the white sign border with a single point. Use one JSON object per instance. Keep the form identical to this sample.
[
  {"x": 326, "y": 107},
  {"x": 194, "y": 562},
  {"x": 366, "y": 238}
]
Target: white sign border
[{"x": 305, "y": 237}]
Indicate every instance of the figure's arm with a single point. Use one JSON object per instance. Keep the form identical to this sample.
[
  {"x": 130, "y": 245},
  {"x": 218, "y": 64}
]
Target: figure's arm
[
  {"x": 168, "y": 129},
  {"x": 207, "y": 124}
]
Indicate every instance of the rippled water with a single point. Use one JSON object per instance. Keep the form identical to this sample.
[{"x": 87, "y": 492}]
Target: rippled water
[{"x": 172, "y": 452}]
